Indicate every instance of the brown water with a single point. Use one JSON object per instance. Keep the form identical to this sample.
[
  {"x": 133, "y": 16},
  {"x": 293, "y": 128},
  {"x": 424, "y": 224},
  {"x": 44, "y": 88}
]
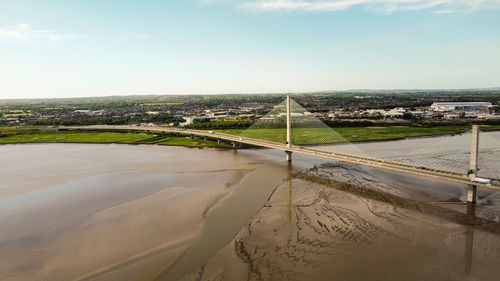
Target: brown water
[{"x": 118, "y": 212}]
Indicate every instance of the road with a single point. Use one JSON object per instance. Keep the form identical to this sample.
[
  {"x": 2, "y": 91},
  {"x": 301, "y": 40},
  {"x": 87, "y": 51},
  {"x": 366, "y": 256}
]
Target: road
[{"x": 353, "y": 159}]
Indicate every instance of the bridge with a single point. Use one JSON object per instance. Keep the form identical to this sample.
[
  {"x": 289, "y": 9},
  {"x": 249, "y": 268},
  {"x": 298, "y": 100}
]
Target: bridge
[{"x": 330, "y": 148}]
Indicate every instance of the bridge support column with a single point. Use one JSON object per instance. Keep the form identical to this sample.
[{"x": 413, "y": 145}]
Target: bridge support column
[
  {"x": 472, "y": 193},
  {"x": 205, "y": 138},
  {"x": 234, "y": 144},
  {"x": 218, "y": 141},
  {"x": 472, "y": 189},
  {"x": 473, "y": 151},
  {"x": 288, "y": 156},
  {"x": 288, "y": 123}
]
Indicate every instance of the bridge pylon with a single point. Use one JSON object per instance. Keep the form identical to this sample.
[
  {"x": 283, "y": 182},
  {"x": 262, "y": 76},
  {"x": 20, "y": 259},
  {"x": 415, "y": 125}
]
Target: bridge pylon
[
  {"x": 288, "y": 129},
  {"x": 472, "y": 189}
]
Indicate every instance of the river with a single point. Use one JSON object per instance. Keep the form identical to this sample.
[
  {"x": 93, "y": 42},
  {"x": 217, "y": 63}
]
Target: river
[{"x": 123, "y": 212}]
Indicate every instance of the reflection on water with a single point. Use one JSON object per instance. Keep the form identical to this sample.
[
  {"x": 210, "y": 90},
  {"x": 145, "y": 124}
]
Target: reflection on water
[{"x": 469, "y": 237}]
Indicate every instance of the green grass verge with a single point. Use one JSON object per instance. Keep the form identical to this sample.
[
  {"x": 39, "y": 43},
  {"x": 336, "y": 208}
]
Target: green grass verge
[
  {"x": 490, "y": 127},
  {"x": 25, "y": 135},
  {"x": 163, "y": 103},
  {"x": 15, "y": 113},
  {"x": 315, "y": 135},
  {"x": 31, "y": 134},
  {"x": 75, "y": 137}
]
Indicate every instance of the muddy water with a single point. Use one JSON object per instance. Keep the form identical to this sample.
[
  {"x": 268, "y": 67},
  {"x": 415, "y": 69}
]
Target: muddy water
[{"x": 118, "y": 212}]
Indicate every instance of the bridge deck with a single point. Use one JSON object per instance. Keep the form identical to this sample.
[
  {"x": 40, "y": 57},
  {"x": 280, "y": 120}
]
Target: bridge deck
[{"x": 372, "y": 162}]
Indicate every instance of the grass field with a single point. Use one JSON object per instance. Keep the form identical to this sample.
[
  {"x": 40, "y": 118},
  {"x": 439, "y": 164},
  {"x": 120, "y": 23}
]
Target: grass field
[
  {"x": 34, "y": 136},
  {"x": 30, "y": 134},
  {"x": 163, "y": 103},
  {"x": 8, "y": 131},
  {"x": 490, "y": 127},
  {"x": 15, "y": 113},
  {"x": 333, "y": 135}
]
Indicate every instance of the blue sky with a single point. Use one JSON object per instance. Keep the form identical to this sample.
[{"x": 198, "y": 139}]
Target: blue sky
[{"x": 68, "y": 48}]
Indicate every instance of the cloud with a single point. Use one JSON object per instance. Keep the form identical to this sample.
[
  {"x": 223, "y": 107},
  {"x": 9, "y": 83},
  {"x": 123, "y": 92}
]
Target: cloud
[
  {"x": 24, "y": 32},
  {"x": 387, "y": 6}
]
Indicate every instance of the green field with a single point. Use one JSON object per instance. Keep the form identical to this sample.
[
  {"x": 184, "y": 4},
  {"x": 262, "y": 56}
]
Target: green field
[
  {"x": 300, "y": 136},
  {"x": 35, "y": 136},
  {"x": 15, "y": 113},
  {"x": 162, "y": 103},
  {"x": 8, "y": 131},
  {"x": 490, "y": 127},
  {"x": 334, "y": 135}
]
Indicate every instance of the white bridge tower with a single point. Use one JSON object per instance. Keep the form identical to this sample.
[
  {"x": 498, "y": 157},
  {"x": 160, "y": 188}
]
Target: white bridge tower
[{"x": 288, "y": 129}]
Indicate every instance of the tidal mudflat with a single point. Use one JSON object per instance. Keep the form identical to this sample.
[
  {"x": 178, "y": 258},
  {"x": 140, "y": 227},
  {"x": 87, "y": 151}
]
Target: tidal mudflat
[
  {"x": 118, "y": 212},
  {"x": 335, "y": 222}
]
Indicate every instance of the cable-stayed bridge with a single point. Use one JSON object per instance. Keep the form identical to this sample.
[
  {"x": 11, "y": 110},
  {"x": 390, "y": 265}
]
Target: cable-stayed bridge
[{"x": 465, "y": 158}]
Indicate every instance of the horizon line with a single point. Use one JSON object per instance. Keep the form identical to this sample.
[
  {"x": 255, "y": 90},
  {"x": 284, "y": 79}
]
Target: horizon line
[{"x": 266, "y": 93}]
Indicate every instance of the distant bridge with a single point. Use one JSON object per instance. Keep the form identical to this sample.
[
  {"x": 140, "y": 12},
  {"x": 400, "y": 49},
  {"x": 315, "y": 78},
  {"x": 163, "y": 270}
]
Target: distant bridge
[{"x": 470, "y": 178}]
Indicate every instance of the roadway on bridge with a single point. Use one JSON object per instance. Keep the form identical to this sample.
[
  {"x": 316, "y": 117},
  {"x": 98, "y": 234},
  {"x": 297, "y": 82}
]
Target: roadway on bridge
[{"x": 353, "y": 159}]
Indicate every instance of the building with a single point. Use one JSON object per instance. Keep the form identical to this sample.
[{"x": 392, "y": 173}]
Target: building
[
  {"x": 396, "y": 112},
  {"x": 489, "y": 117},
  {"x": 189, "y": 121},
  {"x": 418, "y": 114},
  {"x": 460, "y": 106},
  {"x": 451, "y": 116}
]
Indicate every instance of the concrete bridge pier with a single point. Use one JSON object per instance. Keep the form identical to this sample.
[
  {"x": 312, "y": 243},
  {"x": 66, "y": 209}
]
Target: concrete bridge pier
[
  {"x": 472, "y": 193},
  {"x": 205, "y": 138},
  {"x": 218, "y": 141},
  {"x": 234, "y": 145},
  {"x": 288, "y": 156}
]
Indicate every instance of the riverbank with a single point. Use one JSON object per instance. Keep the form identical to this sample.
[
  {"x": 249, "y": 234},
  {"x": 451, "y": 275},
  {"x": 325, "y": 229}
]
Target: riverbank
[{"x": 42, "y": 135}]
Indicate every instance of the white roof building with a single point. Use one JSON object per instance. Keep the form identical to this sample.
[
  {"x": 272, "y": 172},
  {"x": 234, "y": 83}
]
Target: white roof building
[{"x": 464, "y": 106}]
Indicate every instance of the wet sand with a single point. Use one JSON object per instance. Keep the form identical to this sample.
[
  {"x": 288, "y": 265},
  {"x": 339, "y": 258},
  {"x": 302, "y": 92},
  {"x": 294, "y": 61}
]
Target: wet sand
[
  {"x": 118, "y": 212},
  {"x": 337, "y": 222}
]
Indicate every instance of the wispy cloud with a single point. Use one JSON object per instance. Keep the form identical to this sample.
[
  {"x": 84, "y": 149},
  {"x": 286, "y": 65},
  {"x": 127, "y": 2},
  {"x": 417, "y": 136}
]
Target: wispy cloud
[
  {"x": 27, "y": 32},
  {"x": 387, "y": 6}
]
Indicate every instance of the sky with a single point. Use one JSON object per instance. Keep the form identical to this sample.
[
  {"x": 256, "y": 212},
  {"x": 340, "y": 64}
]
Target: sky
[{"x": 72, "y": 48}]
